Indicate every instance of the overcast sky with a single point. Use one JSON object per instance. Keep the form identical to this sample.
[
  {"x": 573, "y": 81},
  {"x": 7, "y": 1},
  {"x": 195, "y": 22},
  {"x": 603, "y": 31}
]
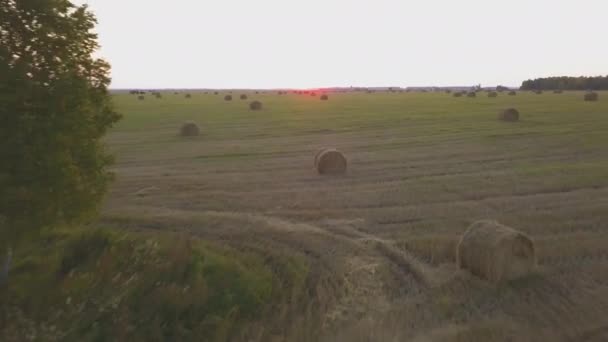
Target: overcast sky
[{"x": 318, "y": 43}]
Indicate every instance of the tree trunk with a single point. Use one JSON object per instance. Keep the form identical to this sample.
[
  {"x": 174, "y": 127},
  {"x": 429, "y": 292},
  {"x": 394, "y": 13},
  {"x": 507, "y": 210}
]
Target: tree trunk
[{"x": 7, "y": 267}]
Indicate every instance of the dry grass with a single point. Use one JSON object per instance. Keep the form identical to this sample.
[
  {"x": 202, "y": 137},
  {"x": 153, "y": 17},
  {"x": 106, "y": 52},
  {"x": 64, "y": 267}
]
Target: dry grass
[{"x": 422, "y": 168}]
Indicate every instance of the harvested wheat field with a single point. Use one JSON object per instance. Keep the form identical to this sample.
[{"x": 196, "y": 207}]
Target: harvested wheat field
[{"x": 373, "y": 251}]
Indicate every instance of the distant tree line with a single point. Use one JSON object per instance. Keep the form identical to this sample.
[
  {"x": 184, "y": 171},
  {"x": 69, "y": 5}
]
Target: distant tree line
[{"x": 567, "y": 83}]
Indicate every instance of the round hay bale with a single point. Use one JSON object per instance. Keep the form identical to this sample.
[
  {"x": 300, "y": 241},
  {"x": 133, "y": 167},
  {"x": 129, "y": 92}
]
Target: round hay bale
[
  {"x": 189, "y": 129},
  {"x": 330, "y": 162},
  {"x": 457, "y": 94},
  {"x": 448, "y": 91},
  {"x": 495, "y": 252},
  {"x": 318, "y": 154},
  {"x": 492, "y": 94},
  {"x": 228, "y": 98},
  {"x": 512, "y": 93},
  {"x": 313, "y": 94},
  {"x": 591, "y": 97},
  {"x": 188, "y": 96},
  {"x": 509, "y": 114},
  {"x": 538, "y": 92},
  {"x": 558, "y": 91},
  {"x": 141, "y": 97},
  {"x": 215, "y": 93},
  {"x": 243, "y": 97},
  {"x": 472, "y": 94},
  {"x": 255, "y": 105},
  {"x": 324, "y": 97}
]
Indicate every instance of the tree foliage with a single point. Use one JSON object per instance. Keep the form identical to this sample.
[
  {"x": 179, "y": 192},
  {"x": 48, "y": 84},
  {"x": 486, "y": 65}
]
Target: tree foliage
[
  {"x": 55, "y": 108},
  {"x": 567, "y": 83}
]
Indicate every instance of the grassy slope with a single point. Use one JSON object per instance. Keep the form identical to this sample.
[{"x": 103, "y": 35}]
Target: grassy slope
[
  {"x": 107, "y": 285},
  {"x": 422, "y": 167}
]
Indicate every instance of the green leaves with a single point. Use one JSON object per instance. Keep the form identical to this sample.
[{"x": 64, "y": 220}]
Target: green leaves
[{"x": 55, "y": 109}]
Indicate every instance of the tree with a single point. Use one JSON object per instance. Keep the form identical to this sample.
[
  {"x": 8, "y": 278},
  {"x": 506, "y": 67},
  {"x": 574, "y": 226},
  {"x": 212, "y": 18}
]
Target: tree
[{"x": 55, "y": 110}]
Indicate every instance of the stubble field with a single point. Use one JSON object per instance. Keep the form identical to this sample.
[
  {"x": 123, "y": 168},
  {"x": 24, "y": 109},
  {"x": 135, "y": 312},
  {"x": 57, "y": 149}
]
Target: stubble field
[{"x": 381, "y": 239}]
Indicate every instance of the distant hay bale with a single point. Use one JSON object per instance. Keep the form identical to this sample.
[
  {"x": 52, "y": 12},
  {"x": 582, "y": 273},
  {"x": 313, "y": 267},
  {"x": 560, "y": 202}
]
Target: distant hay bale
[
  {"x": 324, "y": 97},
  {"x": 330, "y": 162},
  {"x": 243, "y": 97},
  {"x": 495, "y": 252},
  {"x": 189, "y": 129},
  {"x": 255, "y": 105},
  {"x": 472, "y": 94},
  {"x": 228, "y": 98},
  {"x": 457, "y": 94},
  {"x": 538, "y": 92},
  {"x": 448, "y": 91},
  {"x": 509, "y": 114},
  {"x": 591, "y": 96},
  {"x": 141, "y": 97},
  {"x": 492, "y": 94},
  {"x": 512, "y": 93},
  {"x": 313, "y": 94},
  {"x": 215, "y": 93},
  {"x": 558, "y": 91},
  {"x": 188, "y": 96},
  {"x": 318, "y": 154}
]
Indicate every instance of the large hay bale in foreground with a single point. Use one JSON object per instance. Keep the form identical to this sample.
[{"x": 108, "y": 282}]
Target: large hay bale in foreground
[
  {"x": 495, "y": 252},
  {"x": 324, "y": 97},
  {"x": 492, "y": 94},
  {"x": 189, "y": 129},
  {"x": 255, "y": 105},
  {"x": 243, "y": 97},
  {"x": 591, "y": 97},
  {"x": 228, "y": 98},
  {"x": 330, "y": 162},
  {"x": 509, "y": 114}
]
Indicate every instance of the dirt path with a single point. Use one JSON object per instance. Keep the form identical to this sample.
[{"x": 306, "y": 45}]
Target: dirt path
[{"x": 364, "y": 276}]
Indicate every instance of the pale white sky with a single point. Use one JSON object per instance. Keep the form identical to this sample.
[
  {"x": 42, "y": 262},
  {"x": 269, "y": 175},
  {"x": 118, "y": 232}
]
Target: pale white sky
[{"x": 317, "y": 43}]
